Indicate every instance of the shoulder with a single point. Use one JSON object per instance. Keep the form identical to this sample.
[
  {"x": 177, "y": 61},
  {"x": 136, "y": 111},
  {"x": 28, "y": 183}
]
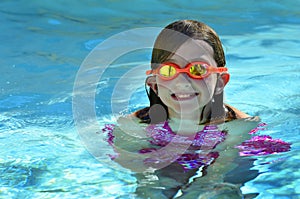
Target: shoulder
[{"x": 239, "y": 114}]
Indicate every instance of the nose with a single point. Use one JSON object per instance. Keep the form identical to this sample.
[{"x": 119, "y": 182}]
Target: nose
[{"x": 182, "y": 82}]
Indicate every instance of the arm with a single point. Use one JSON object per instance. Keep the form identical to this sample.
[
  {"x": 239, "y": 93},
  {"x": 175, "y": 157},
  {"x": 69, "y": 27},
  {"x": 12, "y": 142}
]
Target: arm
[{"x": 213, "y": 184}]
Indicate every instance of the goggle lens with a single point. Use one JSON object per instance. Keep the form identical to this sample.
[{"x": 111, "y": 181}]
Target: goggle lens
[
  {"x": 167, "y": 71},
  {"x": 198, "y": 70}
]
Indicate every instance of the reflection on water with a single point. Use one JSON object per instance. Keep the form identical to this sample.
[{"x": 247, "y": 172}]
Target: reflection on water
[{"x": 43, "y": 44}]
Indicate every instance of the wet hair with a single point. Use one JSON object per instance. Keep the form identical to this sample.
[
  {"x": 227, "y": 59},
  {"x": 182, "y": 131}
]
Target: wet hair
[
  {"x": 166, "y": 45},
  {"x": 192, "y": 29}
]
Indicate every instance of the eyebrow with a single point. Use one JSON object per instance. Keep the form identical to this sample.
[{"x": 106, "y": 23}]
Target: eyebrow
[
  {"x": 199, "y": 59},
  {"x": 192, "y": 60},
  {"x": 171, "y": 60}
]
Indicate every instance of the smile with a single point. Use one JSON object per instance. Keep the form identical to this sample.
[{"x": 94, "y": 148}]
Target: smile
[{"x": 183, "y": 96}]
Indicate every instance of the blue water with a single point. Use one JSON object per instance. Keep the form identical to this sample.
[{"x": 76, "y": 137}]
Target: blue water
[{"x": 43, "y": 45}]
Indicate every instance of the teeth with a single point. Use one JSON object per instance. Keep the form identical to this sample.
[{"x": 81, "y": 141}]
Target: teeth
[{"x": 183, "y": 95}]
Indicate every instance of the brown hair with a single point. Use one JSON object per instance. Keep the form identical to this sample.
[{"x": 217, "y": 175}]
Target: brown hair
[
  {"x": 192, "y": 29},
  {"x": 168, "y": 42}
]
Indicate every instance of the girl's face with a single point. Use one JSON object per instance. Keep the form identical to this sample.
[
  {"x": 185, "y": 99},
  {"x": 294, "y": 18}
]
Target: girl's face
[{"x": 184, "y": 94}]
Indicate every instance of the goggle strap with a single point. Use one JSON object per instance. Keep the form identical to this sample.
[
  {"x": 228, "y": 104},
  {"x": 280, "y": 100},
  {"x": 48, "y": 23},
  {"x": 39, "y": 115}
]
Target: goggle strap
[
  {"x": 218, "y": 70},
  {"x": 149, "y": 72}
]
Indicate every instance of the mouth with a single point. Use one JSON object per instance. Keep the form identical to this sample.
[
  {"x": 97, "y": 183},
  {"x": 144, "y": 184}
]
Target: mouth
[{"x": 183, "y": 96}]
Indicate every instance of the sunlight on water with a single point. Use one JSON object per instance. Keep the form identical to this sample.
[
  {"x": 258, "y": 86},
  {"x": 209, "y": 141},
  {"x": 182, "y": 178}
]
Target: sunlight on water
[{"x": 43, "y": 45}]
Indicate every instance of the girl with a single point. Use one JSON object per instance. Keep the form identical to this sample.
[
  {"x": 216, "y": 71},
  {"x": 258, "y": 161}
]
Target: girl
[
  {"x": 187, "y": 132},
  {"x": 182, "y": 42}
]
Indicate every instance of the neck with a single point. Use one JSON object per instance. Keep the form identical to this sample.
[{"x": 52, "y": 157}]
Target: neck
[
  {"x": 199, "y": 116},
  {"x": 191, "y": 116}
]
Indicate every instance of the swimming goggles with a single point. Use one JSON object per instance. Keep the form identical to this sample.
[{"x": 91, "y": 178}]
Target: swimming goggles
[{"x": 196, "y": 70}]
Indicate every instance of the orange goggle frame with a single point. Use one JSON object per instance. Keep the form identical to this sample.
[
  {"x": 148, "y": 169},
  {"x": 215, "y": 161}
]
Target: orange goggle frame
[{"x": 196, "y": 70}]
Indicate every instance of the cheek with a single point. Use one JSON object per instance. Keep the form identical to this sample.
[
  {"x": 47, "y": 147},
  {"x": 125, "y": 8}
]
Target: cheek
[
  {"x": 162, "y": 90},
  {"x": 206, "y": 85},
  {"x": 211, "y": 80},
  {"x": 163, "y": 86}
]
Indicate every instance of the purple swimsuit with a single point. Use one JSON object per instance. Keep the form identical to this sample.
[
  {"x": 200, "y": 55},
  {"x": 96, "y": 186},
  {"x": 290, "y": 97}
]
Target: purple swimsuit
[{"x": 206, "y": 140}]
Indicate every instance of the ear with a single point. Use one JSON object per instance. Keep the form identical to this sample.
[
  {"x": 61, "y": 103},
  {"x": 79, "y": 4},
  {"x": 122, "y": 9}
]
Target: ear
[
  {"x": 225, "y": 77},
  {"x": 151, "y": 82},
  {"x": 221, "y": 82}
]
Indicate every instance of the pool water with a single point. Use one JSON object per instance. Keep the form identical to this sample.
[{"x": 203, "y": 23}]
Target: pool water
[{"x": 43, "y": 46}]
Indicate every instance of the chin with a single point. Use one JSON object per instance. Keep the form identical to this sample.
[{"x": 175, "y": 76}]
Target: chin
[{"x": 186, "y": 109}]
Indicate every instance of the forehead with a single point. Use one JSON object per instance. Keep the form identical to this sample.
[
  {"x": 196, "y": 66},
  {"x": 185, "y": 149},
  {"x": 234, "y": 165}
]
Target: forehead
[{"x": 194, "y": 50}]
